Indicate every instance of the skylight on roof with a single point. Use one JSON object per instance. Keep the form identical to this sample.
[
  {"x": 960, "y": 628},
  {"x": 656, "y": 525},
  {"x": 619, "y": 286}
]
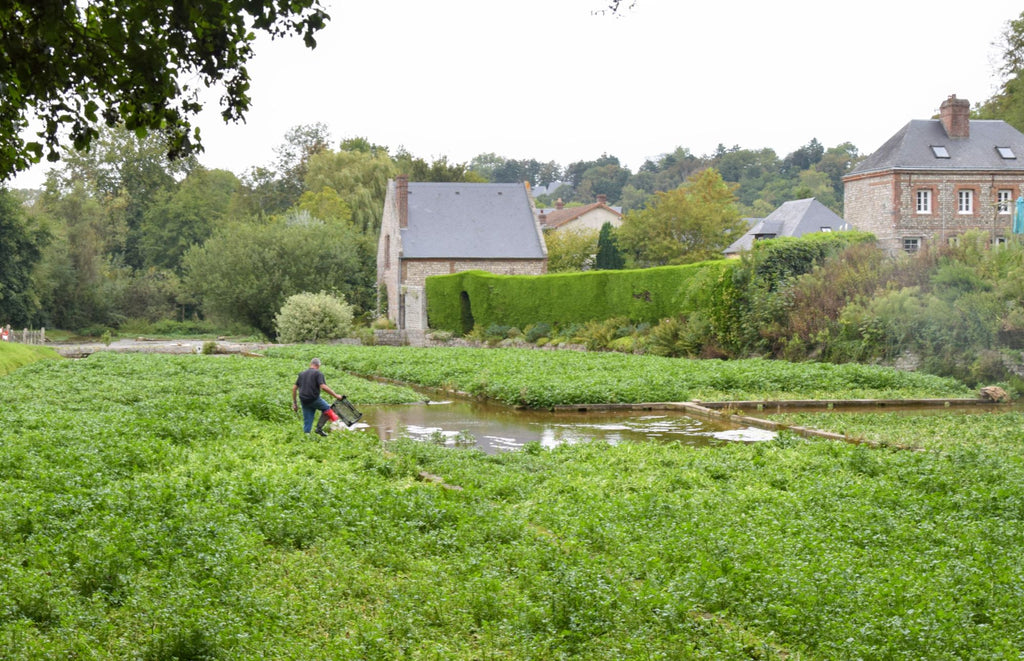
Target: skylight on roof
[
  {"x": 1006, "y": 152},
  {"x": 940, "y": 151}
]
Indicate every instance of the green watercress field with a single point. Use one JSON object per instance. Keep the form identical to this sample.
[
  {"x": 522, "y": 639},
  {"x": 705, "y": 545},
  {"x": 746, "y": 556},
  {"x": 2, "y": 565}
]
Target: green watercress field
[
  {"x": 168, "y": 507},
  {"x": 523, "y": 377}
]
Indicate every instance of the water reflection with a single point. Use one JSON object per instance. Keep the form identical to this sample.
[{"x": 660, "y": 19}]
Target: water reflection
[{"x": 496, "y": 429}]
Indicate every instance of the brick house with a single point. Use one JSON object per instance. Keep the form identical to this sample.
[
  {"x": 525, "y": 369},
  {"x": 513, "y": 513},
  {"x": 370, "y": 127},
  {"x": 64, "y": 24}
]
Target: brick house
[
  {"x": 587, "y": 217},
  {"x": 442, "y": 228},
  {"x": 937, "y": 178}
]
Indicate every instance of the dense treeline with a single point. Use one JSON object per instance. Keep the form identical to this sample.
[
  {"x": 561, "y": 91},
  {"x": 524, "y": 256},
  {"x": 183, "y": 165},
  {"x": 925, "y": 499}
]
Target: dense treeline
[{"x": 121, "y": 238}]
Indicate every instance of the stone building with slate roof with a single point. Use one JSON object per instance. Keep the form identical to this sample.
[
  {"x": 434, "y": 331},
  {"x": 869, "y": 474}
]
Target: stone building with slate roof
[
  {"x": 442, "y": 228},
  {"x": 794, "y": 218},
  {"x": 587, "y": 217},
  {"x": 937, "y": 178}
]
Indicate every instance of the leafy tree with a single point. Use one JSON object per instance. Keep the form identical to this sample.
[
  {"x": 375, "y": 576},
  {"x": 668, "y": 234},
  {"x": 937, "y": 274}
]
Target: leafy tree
[
  {"x": 326, "y": 205},
  {"x": 608, "y": 255},
  {"x": 141, "y": 63},
  {"x": 570, "y": 250},
  {"x": 669, "y": 171},
  {"x": 186, "y": 217},
  {"x": 78, "y": 276},
  {"x": 605, "y": 180},
  {"x": 804, "y": 157},
  {"x": 1008, "y": 103},
  {"x": 575, "y": 171},
  {"x": 689, "y": 224},
  {"x": 439, "y": 171},
  {"x": 360, "y": 178},
  {"x": 127, "y": 174},
  {"x": 21, "y": 244},
  {"x": 243, "y": 274},
  {"x": 300, "y": 144}
]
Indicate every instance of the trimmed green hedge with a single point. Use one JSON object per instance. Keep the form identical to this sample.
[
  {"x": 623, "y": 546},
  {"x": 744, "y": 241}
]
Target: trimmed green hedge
[
  {"x": 642, "y": 295},
  {"x": 722, "y": 291}
]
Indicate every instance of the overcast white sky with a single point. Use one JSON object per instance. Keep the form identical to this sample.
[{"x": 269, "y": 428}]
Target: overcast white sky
[{"x": 546, "y": 79}]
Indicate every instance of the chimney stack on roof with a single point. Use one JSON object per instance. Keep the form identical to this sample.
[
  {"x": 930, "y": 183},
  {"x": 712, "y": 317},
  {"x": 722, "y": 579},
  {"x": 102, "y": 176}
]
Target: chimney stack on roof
[
  {"x": 955, "y": 115},
  {"x": 602, "y": 199},
  {"x": 559, "y": 204},
  {"x": 402, "y": 197}
]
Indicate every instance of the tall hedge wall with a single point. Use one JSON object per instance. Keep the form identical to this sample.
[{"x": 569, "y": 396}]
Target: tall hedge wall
[
  {"x": 722, "y": 291},
  {"x": 641, "y": 295}
]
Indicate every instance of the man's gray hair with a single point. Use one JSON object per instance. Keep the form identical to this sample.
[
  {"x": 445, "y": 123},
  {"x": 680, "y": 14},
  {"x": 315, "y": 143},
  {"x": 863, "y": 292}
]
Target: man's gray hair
[{"x": 315, "y": 361}]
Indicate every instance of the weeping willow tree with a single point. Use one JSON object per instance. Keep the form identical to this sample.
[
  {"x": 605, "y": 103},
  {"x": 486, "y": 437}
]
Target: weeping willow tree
[{"x": 360, "y": 178}]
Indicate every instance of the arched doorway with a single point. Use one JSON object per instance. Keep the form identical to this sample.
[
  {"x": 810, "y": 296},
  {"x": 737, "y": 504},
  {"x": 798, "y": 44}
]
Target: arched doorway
[{"x": 467, "y": 313}]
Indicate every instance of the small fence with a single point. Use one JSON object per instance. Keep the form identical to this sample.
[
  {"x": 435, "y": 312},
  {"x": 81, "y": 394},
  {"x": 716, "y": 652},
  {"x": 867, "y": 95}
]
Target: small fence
[{"x": 24, "y": 336}]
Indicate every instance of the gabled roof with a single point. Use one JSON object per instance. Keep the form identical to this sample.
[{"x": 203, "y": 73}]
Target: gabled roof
[
  {"x": 470, "y": 221},
  {"x": 911, "y": 148},
  {"x": 558, "y": 217},
  {"x": 794, "y": 218}
]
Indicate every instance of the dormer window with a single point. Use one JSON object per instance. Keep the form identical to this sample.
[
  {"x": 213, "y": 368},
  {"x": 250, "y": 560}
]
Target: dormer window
[
  {"x": 940, "y": 151},
  {"x": 1006, "y": 152}
]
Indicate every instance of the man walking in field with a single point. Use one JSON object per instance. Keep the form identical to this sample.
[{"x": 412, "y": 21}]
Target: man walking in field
[{"x": 307, "y": 388}]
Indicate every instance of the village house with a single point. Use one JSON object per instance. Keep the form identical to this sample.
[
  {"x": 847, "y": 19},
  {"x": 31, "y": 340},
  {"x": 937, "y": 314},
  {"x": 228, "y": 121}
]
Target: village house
[
  {"x": 442, "y": 228},
  {"x": 793, "y": 218},
  {"x": 586, "y": 217},
  {"x": 938, "y": 178}
]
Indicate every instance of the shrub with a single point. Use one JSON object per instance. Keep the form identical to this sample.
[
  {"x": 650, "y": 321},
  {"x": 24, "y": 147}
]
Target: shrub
[
  {"x": 537, "y": 331},
  {"x": 309, "y": 317}
]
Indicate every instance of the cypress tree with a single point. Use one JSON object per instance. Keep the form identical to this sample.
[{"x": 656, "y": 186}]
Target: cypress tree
[{"x": 608, "y": 255}]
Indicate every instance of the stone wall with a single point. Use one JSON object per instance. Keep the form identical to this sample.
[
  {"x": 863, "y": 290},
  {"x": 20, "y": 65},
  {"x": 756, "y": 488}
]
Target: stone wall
[
  {"x": 417, "y": 271},
  {"x": 886, "y": 205}
]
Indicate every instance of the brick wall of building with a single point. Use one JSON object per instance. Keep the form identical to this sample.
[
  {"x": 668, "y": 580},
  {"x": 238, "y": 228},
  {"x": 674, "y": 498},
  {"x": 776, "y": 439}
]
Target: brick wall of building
[{"x": 886, "y": 205}]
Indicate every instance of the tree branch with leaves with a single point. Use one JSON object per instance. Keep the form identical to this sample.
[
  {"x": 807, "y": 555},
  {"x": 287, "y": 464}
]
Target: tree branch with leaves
[{"x": 73, "y": 66}]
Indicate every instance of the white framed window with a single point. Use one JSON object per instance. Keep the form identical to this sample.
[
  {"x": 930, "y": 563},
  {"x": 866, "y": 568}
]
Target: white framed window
[
  {"x": 1000, "y": 241},
  {"x": 1006, "y": 152},
  {"x": 1004, "y": 198},
  {"x": 924, "y": 201},
  {"x": 965, "y": 201},
  {"x": 911, "y": 244},
  {"x": 826, "y": 229},
  {"x": 940, "y": 151}
]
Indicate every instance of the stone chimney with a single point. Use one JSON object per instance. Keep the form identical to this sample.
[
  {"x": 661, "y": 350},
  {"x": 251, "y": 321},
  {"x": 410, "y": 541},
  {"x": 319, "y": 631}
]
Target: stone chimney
[
  {"x": 955, "y": 115},
  {"x": 402, "y": 198},
  {"x": 602, "y": 199},
  {"x": 543, "y": 218},
  {"x": 559, "y": 204}
]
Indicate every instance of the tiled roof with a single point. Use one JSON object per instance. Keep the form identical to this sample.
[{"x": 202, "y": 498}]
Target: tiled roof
[
  {"x": 470, "y": 221},
  {"x": 911, "y": 148},
  {"x": 558, "y": 217}
]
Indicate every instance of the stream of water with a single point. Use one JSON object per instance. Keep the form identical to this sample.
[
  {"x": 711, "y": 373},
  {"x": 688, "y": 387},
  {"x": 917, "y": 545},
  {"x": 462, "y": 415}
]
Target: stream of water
[{"x": 495, "y": 429}]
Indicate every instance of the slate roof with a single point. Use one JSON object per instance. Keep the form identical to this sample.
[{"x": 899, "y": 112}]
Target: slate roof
[
  {"x": 911, "y": 148},
  {"x": 470, "y": 221},
  {"x": 793, "y": 218}
]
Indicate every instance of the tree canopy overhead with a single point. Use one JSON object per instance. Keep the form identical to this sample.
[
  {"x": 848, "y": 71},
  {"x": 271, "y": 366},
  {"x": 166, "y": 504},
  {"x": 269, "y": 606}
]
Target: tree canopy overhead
[{"x": 72, "y": 65}]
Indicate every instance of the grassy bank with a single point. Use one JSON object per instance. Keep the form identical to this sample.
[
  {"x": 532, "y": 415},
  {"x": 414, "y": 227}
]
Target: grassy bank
[
  {"x": 14, "y": 355},
  {"x": 165, "y": 507}
]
